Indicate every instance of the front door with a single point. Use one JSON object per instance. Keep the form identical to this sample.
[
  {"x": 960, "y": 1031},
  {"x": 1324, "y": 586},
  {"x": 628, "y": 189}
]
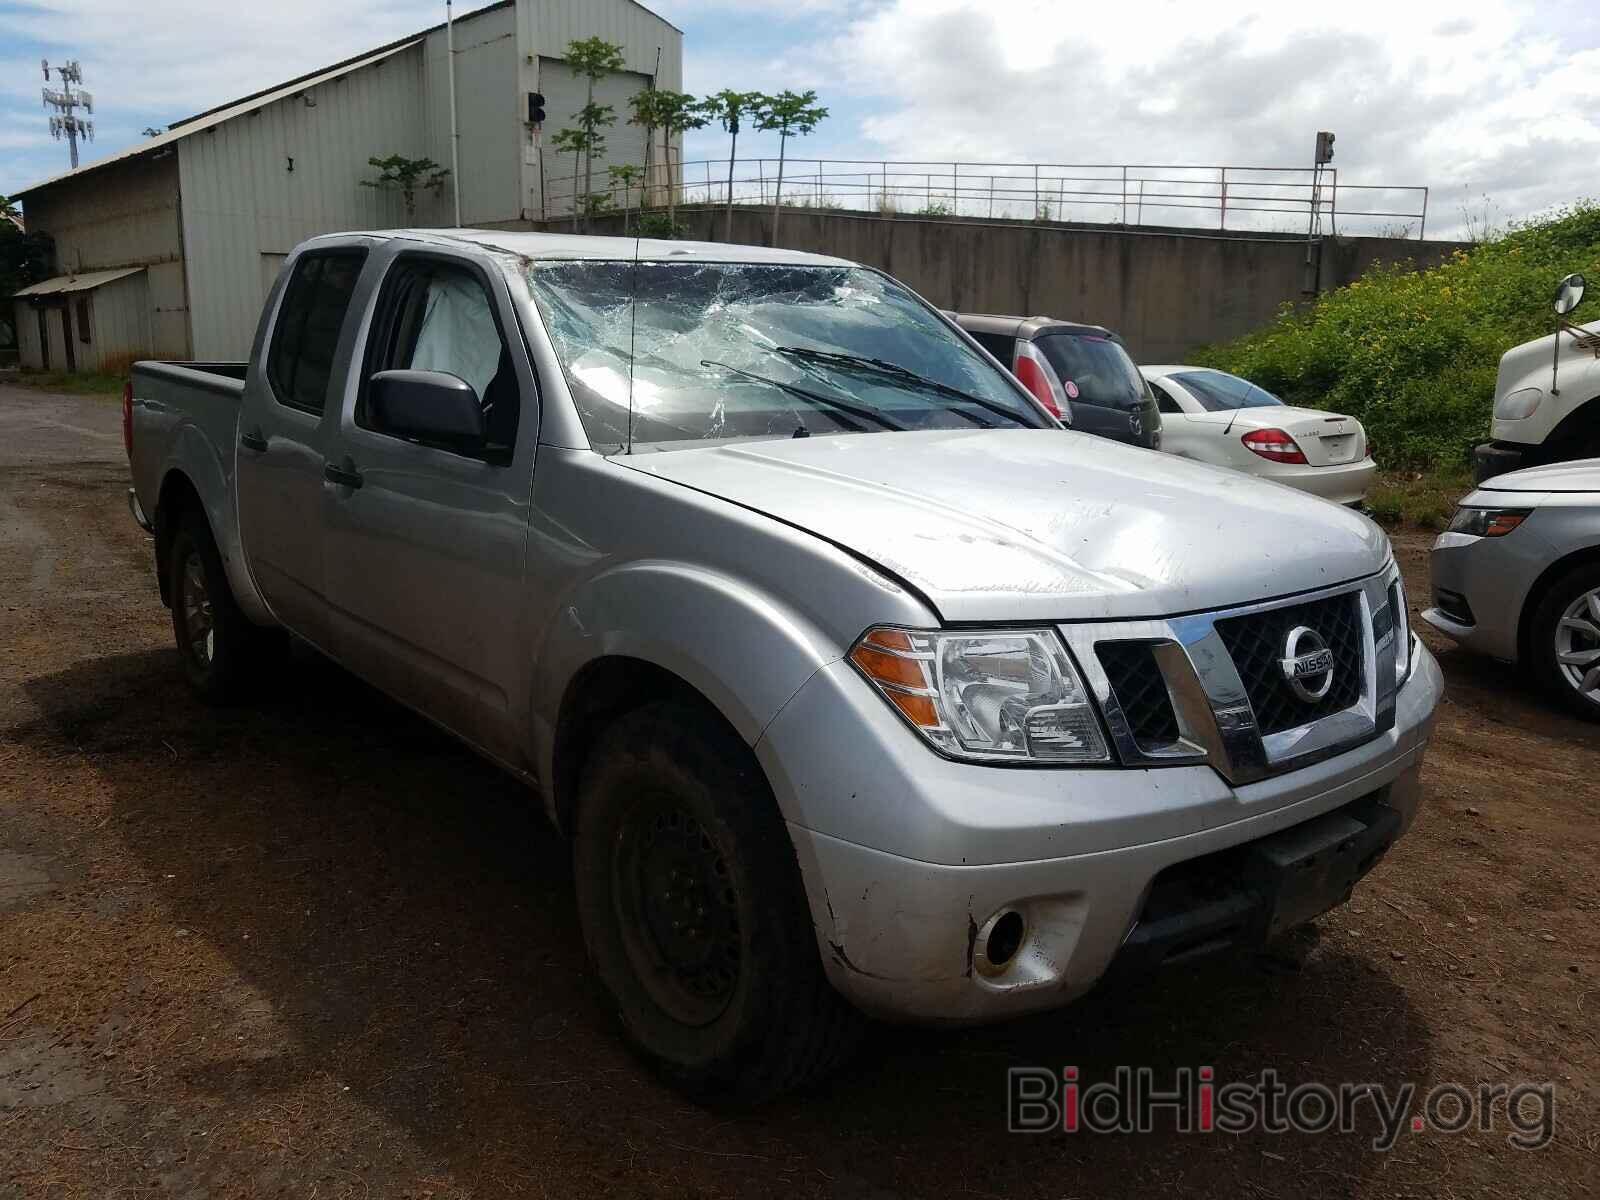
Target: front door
[
  {"x": 426, "y": 543},
  {"x": 282, "y": 434}
]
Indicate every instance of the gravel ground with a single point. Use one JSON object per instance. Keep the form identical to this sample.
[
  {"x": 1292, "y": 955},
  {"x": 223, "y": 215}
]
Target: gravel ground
[{"x": 311, "y": 948}]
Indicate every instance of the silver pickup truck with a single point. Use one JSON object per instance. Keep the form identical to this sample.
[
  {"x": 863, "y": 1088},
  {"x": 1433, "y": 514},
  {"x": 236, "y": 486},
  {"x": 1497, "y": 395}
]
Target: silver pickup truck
[{"x": 859, "y": 685}]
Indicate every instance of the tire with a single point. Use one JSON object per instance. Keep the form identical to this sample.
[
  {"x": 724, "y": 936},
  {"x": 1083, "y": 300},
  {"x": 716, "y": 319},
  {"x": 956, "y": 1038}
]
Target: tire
[
  {"x": 1567, "y": 625},
  {"x": 675, "y": 823},
  {"x": 221, "y": 651}
]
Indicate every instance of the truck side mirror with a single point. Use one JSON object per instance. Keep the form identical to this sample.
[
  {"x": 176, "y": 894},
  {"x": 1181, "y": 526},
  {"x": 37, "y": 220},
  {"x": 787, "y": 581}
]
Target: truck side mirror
[
  {"x": 1569, "y": 294},
  {"x": 427, "y": 406}
]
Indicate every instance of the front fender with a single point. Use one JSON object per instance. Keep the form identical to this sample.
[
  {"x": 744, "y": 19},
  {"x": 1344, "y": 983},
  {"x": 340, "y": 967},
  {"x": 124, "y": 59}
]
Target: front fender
[{"x": 744, "y": 651}]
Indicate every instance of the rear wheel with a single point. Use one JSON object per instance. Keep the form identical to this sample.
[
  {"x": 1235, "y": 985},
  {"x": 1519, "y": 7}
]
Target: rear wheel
[
  {"x": 694, "y": 912},
  {"x": 220, "y": 649},
  {"x": 1566, "y": 640}
]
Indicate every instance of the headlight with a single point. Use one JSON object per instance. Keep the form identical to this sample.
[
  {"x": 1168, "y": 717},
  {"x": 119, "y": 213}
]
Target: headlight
[
  {"x": 1518, "y": 405},
  {"x": 1488, "y": 522},
  {"x": 1004, "y": 696}
]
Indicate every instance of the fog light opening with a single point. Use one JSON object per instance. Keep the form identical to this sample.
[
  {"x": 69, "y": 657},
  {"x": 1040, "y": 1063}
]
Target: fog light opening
[{"x": 999, "y": 941}]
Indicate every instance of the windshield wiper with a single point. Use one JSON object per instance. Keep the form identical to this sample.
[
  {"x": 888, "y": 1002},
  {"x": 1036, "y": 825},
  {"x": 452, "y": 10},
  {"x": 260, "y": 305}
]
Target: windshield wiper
[
  {"x": 828, "y": 402},
  {"x": 893, "y": 370}
]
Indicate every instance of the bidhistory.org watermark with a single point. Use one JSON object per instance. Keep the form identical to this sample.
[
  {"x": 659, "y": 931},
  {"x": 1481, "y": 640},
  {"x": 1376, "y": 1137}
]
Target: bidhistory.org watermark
[{"x": 1194, "y": 1100}]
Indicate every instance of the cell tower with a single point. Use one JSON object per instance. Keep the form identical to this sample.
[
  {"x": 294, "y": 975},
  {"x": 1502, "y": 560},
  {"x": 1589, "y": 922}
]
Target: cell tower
[{"x": 65, "y": 120}]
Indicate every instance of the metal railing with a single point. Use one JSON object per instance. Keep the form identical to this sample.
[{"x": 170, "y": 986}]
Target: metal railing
[{"x": 1243, "y": 199}]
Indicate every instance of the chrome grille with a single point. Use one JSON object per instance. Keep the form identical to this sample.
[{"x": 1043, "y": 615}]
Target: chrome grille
[
  {"x": 1256, "y": 641},
  {"x": 1141, "y": 690}
]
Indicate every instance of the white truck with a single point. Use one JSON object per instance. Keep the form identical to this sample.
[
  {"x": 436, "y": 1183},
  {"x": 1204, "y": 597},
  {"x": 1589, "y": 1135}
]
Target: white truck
[{"x": 1546, "y": 396}]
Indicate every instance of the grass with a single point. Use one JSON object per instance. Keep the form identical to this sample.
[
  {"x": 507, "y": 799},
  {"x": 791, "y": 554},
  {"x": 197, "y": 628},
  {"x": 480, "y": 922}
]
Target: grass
[
  {"x": 84, "y": 384},
  {"x": 1423, "y": 498},
  {"x": 1412, "y": 354}
]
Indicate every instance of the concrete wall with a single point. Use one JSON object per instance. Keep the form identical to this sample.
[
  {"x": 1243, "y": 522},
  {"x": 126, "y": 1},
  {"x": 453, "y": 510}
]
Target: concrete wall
[
  {"x": 1165, "y": 291},
  {"x": 126, "y": 216}
]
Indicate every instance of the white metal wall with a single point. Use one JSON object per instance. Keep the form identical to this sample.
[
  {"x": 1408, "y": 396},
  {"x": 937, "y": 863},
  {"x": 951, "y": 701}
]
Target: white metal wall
[
  {"x": 488, "y": 116},
  {"x": 119, "y": 324},
  {"x": 28, "y": 335},
  {"x": 126, "y": 215},
  {"x": 651, "y": 48},
  {"x": 267, "y": 180},
  {"x": 565, "y": 93}
]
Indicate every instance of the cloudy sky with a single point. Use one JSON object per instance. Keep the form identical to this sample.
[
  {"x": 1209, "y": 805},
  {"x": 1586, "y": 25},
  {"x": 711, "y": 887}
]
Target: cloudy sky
[{"x": 1494, "y": 105}]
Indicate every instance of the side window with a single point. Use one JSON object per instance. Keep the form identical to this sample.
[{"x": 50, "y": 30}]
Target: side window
[
  {"x": 83, "y": 319},
  {"x": 1000, "y": 345},
  {"x": 1164, "y": 400},
  {"x": 439, "y": 316},
  {"x": 300, "y": 359}
]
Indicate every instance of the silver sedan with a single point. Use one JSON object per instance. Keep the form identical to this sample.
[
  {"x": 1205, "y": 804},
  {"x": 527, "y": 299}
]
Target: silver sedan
[{"x": 1517, "y": 577}]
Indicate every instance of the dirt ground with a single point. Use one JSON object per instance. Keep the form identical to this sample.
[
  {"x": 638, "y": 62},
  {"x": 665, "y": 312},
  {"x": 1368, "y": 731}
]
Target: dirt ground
[{"x": 313, "y": 949}]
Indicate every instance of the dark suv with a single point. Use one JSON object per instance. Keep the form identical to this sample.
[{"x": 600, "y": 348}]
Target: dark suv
[{"x": 1080, "y": 372}]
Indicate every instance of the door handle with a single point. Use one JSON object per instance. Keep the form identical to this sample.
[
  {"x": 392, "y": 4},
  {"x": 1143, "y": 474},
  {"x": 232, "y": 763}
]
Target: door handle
[
  {"x": 253, "y": 441},
  {"x": 344, "y": 478}
]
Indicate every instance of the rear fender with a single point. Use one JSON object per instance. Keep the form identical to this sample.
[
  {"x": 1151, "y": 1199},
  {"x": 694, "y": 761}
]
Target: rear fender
[{"x": 192, "y": 455}]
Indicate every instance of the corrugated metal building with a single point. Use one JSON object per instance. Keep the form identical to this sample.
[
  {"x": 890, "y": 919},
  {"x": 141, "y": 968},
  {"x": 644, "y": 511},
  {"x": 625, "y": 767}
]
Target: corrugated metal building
[{"x": 169, "y": 248}]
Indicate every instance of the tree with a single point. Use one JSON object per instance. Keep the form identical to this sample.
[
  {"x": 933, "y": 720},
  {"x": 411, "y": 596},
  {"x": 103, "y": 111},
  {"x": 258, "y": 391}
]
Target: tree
[
  {"x": 594, "y": 58},
  {"x": 406, "y": 175},
  {"x": 624, "y": 175},
  {"x": 726, "y": 107},
  {"x": 676, "y": 112},
  {"x": 645, "y": 108},
  {"x": 573, "y": 141},
  {"x": 788, "y": 114}
]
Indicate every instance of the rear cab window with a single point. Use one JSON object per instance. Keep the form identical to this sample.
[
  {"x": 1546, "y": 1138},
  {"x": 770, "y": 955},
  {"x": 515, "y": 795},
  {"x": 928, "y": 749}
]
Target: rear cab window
[
  {"x": 305, "y": 335},
  {"x": 1002, "y": 345},
  {"x": 1097, "y": 368}
]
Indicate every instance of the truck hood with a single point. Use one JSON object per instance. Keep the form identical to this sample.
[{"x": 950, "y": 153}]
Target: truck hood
[
  {"x": 1031, "y": 525},
  {"x": 1582, "y": 475}
]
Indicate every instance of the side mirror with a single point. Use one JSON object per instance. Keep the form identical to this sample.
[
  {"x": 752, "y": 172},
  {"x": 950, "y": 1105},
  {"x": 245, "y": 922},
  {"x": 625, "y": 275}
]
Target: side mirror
[
  {"x": 1569, "y": 294},
  {"x": 429, "y": 406}
]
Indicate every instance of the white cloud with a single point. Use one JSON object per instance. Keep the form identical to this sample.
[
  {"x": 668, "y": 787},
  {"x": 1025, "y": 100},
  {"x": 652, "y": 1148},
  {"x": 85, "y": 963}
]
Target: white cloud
[{"x": 1481, "y": 100}]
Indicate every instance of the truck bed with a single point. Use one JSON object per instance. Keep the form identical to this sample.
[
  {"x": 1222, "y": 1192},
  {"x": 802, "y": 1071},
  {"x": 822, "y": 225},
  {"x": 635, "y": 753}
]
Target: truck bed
[{"x": 185, "y": 415}]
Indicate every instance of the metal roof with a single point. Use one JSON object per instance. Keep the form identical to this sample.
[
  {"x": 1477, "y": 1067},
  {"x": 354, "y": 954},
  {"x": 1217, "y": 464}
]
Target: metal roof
[
  {"x": 77, "y": 283},
  {"x": 217, "y": 116}
]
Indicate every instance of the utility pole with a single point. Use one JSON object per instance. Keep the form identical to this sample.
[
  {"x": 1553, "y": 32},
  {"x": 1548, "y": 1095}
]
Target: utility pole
[
  {"x": 65, "y": 120},
  {"x": 455, "y": 133},
  {"x": 1324, "y": 156}
]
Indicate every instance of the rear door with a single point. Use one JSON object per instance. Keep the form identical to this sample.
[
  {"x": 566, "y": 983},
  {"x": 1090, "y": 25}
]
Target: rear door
[
  {"x": 425, "y": 551},
  {"x": 282, "y": 434}
]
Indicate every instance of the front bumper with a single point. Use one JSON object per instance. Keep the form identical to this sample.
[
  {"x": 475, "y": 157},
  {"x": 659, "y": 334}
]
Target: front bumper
[
  {"x": 1480, "y": 586},
  {"x": 1082, "y": 850},
  {"x": 1498, "y": 458}
]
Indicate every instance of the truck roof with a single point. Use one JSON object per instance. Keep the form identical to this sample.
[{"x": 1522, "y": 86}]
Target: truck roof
[{"x": 612, "y": 249}]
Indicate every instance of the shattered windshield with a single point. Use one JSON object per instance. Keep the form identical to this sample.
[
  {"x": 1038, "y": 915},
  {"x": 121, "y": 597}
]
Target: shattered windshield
[{"x": 739, "y": 350}]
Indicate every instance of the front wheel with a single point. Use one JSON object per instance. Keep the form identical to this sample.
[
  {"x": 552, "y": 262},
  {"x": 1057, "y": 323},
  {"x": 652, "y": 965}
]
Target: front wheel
[
  {"x": 219, "y": 647},
  {"x": 694, "y": 913},
  {"x": 1566, "y": 640}
]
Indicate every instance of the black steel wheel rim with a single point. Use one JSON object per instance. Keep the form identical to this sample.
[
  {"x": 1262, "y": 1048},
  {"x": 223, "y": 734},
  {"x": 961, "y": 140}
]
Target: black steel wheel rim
[{"x": 677, "y": 909}]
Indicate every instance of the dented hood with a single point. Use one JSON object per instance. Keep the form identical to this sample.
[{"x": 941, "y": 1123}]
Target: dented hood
[{"x": 1040, "y": 525}]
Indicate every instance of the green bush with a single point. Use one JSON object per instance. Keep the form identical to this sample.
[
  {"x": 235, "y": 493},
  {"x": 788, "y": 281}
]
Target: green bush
[{"x": 1412, "y": 354}]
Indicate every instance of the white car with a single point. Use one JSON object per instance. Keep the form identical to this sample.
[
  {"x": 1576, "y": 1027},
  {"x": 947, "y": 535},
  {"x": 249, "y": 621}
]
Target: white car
[{"x": 1218, "y": 418}]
